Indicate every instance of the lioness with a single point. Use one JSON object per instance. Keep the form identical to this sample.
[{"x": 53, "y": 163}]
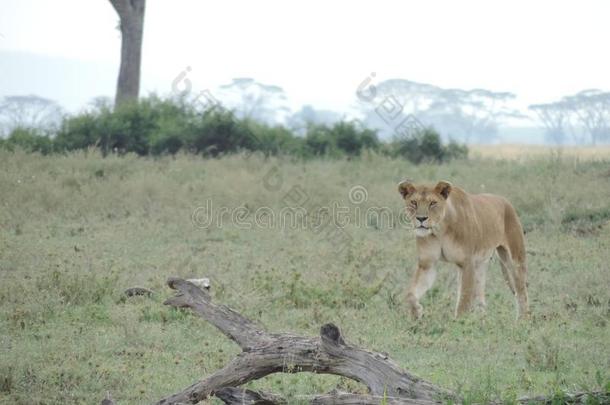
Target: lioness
[{"x": 465, "y": 229}]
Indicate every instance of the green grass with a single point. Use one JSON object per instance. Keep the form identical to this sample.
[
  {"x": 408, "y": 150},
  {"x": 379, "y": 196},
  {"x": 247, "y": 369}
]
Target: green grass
[{"x": 76, "y": 230}]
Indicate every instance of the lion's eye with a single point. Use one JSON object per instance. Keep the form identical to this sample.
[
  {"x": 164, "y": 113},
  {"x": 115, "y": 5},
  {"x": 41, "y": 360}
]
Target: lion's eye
[
  {"x": 414, "y": 203},
  {"x": 432, "y": 204}
]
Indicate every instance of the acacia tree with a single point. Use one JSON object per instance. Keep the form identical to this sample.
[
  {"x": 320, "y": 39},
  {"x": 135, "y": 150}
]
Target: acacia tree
[
  {"x": 28, "y": 112},
  {"x": 468, "y": 114},
  {"x": 307, "y": 116},
  {"x": 414, "y": 97},
  {"x": 457, "y": 113},
  {"x": 591, "y": 110},
  {"x": 555, "y": 117},
  {"x": 386, "y": 105},
  {"x": 255, "y": 100},
  {"x": 131, "y": 16},
  {"x": 583, "y": 115}
]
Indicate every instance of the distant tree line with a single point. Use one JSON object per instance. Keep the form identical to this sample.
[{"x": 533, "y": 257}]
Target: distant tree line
[
  {"x": 476, "y": 115},
  {"x": 468, "y": 115},
  {"x": 158, "y": 126},
  {"x": 583, "y": 117}
]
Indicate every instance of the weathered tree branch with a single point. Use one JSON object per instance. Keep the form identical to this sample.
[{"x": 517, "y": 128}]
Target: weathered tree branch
[
  {"x": 243, "y": 331},
  {"x": 360, "y": 399},
  {"x": 241, "y": 396},
  {"x": 265, "y": 353},
  {"x": 565, "y": 398}
]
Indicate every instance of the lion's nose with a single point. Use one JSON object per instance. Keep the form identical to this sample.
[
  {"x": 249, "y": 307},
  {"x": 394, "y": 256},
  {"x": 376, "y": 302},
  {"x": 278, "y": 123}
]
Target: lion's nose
[{"x": 421, "y": 219}]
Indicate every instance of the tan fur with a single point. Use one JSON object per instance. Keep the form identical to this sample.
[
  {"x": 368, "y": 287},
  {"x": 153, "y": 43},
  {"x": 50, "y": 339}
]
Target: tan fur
[{"x": 465, "y": 229}]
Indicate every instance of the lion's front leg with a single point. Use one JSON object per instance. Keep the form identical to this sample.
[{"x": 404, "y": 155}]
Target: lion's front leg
[
  {"x": 480, "y": 275},
  {"x": 421, "y": 282},
  {"x": 428, "y": 253}
]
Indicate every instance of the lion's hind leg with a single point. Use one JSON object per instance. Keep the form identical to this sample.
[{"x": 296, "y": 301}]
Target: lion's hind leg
[
  {"x": 515, "y": 274},
  {"x": 506, "y": 263}
]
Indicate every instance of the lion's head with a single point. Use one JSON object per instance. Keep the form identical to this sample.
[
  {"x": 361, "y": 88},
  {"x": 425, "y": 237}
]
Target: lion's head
[{"x": 425, "y": 205}]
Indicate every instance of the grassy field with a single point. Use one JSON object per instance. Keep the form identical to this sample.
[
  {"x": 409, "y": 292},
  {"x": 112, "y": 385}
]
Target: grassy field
[
  {"x": 76, "y": 230},
  {"x": 527, "y": 152}
]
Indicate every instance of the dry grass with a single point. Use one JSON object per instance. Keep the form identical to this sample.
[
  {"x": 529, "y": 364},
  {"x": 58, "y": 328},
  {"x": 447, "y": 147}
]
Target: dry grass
[
  {"x": 76, "y": 230},
  {"x": 524, "y": 152}
]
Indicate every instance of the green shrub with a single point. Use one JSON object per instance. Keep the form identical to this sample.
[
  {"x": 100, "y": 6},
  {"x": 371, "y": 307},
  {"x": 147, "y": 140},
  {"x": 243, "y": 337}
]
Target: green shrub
[
  {"x": 217, "y": 131},
  {"x": 276, "y": 140},
  {"x": 426, "y": 146},
  {"x": 318, "y": 142},
  {"x": 132, "y": 127},
  {"x": 150, "y": 125},
  {"x": 78, "y": 132},
  {"x": 456, "y": 150},
  {"x": 155, "y": 126},
  {"x": 351, "y": 139},
  {"x": 28, "y": 139},
  {"x": 174, "y": 123},
  {"x": 343, "y": 138}
]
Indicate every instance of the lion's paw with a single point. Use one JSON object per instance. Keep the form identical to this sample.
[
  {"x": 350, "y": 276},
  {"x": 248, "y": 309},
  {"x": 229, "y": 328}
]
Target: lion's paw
[{"x": 417, "y": 310}]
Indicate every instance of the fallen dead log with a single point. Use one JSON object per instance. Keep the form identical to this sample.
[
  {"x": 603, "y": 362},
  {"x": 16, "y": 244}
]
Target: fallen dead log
[
  {"x": 241, "y": 396},
  {"x": 265, "y": 353},
  {"x": 569, "y": 398}
]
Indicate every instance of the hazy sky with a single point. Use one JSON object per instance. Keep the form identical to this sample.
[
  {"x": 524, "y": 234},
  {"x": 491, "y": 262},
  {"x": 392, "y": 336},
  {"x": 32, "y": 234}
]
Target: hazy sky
[{"x": 318, "y": 51}]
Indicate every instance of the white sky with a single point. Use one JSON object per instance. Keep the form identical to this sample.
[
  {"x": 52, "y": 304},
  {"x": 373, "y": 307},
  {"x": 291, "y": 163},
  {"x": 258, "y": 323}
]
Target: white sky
[{"x": 319, "y": 51}]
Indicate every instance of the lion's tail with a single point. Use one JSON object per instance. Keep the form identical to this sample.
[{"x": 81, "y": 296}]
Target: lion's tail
[
  {"x": 514, "y": 235},
  {"x": 518, "y": 270}
]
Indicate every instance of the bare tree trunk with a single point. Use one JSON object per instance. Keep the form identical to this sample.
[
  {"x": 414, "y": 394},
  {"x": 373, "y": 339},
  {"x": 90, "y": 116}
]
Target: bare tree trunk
[{"x": 131, "y": 15}]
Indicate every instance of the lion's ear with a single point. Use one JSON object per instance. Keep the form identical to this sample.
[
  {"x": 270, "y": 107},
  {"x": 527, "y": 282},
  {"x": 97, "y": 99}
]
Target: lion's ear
[
  {"x": 405, "y": 188},
  {"x": 443, "y": 188}
]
